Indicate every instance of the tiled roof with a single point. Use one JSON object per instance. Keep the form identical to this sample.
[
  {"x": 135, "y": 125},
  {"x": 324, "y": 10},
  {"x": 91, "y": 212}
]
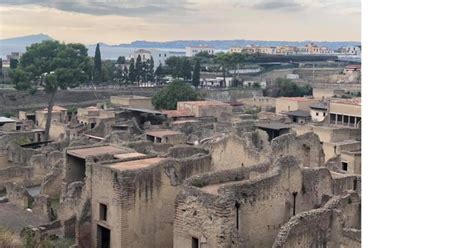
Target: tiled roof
[
  {"x": 298, "y": 113},
  {"x": 351, "y": 101},
  {"x": 319, "y": 105}
]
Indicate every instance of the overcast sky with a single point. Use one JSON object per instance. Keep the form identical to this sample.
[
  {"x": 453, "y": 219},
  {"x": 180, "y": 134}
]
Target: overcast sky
[{"x": 122, "y": 21}]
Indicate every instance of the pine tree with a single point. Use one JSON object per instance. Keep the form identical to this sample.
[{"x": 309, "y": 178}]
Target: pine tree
[
  {"x": 139, "y": 69},
  {"x": 159, "y": 73},
  {"x": 124, "y": 75},
  {"x": 196, "y": 73},
  {"x": 97, "y": 65},
  {"x": 132, "y": 73},
  {"x": 151, "y": 66}
]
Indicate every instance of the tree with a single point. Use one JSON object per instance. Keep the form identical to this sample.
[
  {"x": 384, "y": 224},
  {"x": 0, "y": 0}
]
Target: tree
[
  {"x": 223, "y": 59},
  {"x": 132, "y": 72},
  {"x": 97, "y": 65},
  {"x": 108, "y": 71},
  {"x": 176, "y": 91},
  {"x": 125, "y": 77},
  {"x": 121, "y": 60},
  {"x": 150, "y": 66},
  {"x": 179, "y": 67},
  {"x": 185, "y": 68},
  {"x": 286, "y": 88},
  {"x": 51, "y": 65},
  {"x": 196, "y": 73},
  {"x": 13, "y": 63},
  {"x": 159, "y": 73},
  {"x": 139, "y": 69}
]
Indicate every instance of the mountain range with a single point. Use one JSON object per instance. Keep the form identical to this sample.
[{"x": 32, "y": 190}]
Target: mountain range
[{"x": 181, "y": 44}]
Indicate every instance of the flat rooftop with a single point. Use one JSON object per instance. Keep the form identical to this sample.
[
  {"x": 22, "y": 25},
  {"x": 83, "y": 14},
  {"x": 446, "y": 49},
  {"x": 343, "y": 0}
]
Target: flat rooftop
[
  {"x": 132, "y": 97},
  {"x": 297, "y": 99},
  {"x": 184, "y": 121},
  {"x": 129, "y": 155},
  {"x": 162, "y": 133},
  {"x": 345, "y": 142},
  {"x": 150, "y": 111},
  {"x": 95, "y": 151},
  {"x": 204, "y": 103},
  {"x": 136, "y": 164}
]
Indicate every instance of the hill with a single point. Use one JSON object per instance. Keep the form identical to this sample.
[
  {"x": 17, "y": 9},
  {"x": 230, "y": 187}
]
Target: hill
[{"x": 25, "y": 40}]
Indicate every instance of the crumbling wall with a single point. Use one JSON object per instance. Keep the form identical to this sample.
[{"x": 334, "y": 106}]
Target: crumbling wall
[
  {"x": 307, "y": 147},
  {"x": 344, "y": 183},
  {"x": 18, "y": 174},
  {"x": 246, "y": 198},
  {"x": 20, "y": 155},
  {"x": 335, "y": 225},
  {"x": 233, "y": 152},
  {"x": 129, "y": 194},
  {"x": 148, "y": 147},
  {"x": 42, "y": 206},
  {"x": 52, "y": 182},
  {"x": 18, "y": 195},
  {"x": 59, "y": 131},
  {"x": 185, "y": 151},
  {"x": 208, "y": 217}
]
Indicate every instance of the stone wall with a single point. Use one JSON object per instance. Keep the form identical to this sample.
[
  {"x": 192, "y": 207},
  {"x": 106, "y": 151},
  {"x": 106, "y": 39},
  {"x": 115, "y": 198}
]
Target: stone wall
[
  {"x": 18, "y": 195},
  {"x": 306, "y": 147},
  {"x": 335, "y": 225},
  {"x": 234, "y": 152},
  {"x": 129, "y": 194},
  {"x": 230, "y": 94},
  {"x": 211, "y": 205},
  {"x": 12, "y": 101}
]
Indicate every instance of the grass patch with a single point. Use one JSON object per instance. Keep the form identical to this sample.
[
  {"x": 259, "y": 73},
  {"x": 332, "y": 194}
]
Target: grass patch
[{"x": 9, "y": 239}]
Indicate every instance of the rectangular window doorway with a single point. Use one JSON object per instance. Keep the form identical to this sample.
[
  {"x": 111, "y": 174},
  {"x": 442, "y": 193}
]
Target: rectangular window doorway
[
  {"x": 103, "y": 237},
  {"x": 195, "y": 243},
  {"x": 344, "y": 166},
  {"x": 103, "y": 212}
]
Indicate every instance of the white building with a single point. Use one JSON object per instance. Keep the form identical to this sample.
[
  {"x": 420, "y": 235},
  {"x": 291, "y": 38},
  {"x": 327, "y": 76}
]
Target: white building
[
  {"x": 351, "y": 50},
  {"x": 191, "y": 51},
  {"x": 160, "y": 56},
  {"x": 318, "y": 111},
  {"x": 217, "y": 82},
  {"x": 144, "y": 54},
  {"x": 292, "y": 76}
]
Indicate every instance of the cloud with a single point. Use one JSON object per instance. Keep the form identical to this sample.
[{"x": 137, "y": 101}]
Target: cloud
[
  {"x": 343, "y": 7},
  {"x": 109, "y": 7},
  {"x": 289, "y": 5}
]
